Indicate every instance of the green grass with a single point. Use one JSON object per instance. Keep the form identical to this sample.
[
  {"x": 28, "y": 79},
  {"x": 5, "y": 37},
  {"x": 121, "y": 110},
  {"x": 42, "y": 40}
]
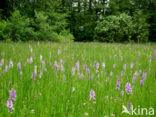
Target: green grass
[{"x": 52, "y": 95}]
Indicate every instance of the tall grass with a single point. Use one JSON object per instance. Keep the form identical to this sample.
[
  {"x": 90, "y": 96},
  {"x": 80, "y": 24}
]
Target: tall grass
[{"x": 58, "y": 93}]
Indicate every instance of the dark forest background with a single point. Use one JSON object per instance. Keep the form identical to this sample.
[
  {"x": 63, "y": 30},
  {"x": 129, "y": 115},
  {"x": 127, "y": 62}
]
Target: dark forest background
[{"x": 78, "y": 20}]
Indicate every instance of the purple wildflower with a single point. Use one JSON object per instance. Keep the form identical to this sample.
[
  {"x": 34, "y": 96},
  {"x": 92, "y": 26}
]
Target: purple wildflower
[
  {"x": 132, "y": 65},
  {"x": 10, "y": 105},
  {"x": 134, "y": 76},
  {"x": 121, "y": 58},
  {"x": 34, "y": 75},
  {"x": 121, "y": 73},
  {"x": 141, "y": 81},
  {"x": 12, "y": 94},
  {"x": 124, "y": 66},
  {"x": 88, "y": 70},
  {"x": 138, "y": 56},
  {"x": 2, "y": 61},
  {"x": 77, "y": 65},
  {"x": 144, "y": 75},
  {"x": 19, "y": 66},
  {"x": 30, "y": 59},
  {"x": 6, "y": 68},
  {"x": 128, "y": 88},
  {"x": 56, "y": 65},
  {"x": 118, "y": 85},
  {"x": 155, "y": 53},
  {"x": 62, "y": 68},
  {"x": 97, "y": 65},
  {"x": 11, "y": 63},
  {"x": 92, "y": 95},
  {"x": 129, "y": 106}
]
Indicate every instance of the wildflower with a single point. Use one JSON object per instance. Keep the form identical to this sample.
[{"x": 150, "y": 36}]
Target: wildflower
[
  {"x": 114, "y": 65},
  {"x": 124, "y": 66},
  {"x": 43, "y": 63},
  {"x": 121, "y": 58},
  {"x": 144, "y": 75},
  {"x": 56, "y": 65},
  {"x": 28, "y": 60},
  {"x": 129, "y": 106},
  {"x": 118, "y": 85},
  {"x": 2, "y": 61},
  {"x": 77, "y": 65},
  {"x": 34, "y": 75},
  {"x": 97, "y": 65},
  {"x": 121, "y": 73},
  {"x": 59, "y": 52},
  {"x": 31, "y": 60},
  {"x": 122, "y": 92},
  {"x": 132, "y": 65},
  {"x": 86, "y": 114},
  {"x": 138, "y": 56},
  {"x": 128, "y": 88},
  {"x": 10, "y": 105},
  {"x": 40, "y": 57},
  {"x": 12, "y": 94},
  {"x": 35, "y": 69},
  {"x": 73, "y": 89},
  {"x": 85, "y": 66},
  {"x": 40, "y": 75},
  {"x": 111, "y": 73},
  {"x": 92, "y": 95},
  {"x": 141, "y": 81},
  {"x": 103, "y": 65},
  {"x": 31, "y": 50},
  {"x": 62, "y": 68},
  {"x": 88, "y": 70},
  {"x": 6, "y": 68},
  {"x": 155, "y": 53},
  {"x": 19, "y": 66},
  {"x": 134, "y": 76},
  {"x": 11, "y": 63}
]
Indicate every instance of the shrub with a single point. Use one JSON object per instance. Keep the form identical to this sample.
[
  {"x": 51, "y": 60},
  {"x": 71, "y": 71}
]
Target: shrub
[
  {"x": 66, "y": 36},
  {"x": 121, "y": 28},
  {"x": 18, "y": 27}
]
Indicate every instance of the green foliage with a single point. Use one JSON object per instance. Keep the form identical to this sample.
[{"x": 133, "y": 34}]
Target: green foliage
[
  {"x": 18, "y": 27},
  {"x": 66, "y": 36},
  {"x": 121, "y": 28},
  {"x": 3, "y": 33}
]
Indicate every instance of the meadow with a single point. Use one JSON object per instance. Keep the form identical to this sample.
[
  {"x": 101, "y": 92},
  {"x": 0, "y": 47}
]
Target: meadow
[{"x": 76, "y": 79}]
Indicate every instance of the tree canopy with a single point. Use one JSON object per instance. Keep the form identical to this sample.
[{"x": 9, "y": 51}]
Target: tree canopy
[{"x": 86, "y": 20}]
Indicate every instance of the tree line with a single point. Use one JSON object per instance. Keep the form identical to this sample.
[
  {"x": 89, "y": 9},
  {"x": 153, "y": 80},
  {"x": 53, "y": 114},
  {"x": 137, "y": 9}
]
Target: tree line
[{"x": 78, "y": 20}]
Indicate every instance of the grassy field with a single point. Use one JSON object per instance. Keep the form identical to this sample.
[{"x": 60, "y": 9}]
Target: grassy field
[{"x": 76, "y": 79}]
